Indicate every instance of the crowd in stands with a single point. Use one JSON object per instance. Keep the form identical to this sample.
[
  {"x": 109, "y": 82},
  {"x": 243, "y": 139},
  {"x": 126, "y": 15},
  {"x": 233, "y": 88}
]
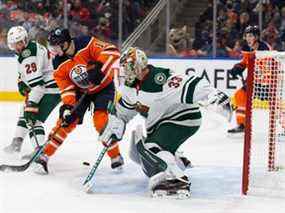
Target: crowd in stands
[
  {"x": 85, "y": 17},
  {"x": 100, "y": 18},
  {"x": 233, "y": 16}
]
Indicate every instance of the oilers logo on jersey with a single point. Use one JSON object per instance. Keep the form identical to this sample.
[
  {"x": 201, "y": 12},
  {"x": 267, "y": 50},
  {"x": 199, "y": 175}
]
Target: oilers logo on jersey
[{"x": 79, "y": 76}]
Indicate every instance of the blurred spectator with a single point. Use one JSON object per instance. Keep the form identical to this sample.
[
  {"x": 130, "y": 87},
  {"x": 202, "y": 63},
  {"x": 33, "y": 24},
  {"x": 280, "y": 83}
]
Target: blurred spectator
[
  {"x": 243, "y": 23},
  {"x": 233, "y": 16},
  {"x": 103, "y": 29},
  {"x": 235, "y": 52},
  {"x": 85, "y": 17},
  {"x": 271, "y": 35}
]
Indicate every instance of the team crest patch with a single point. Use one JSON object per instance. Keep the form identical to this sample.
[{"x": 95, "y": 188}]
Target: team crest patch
[
  {"x": 26, "y": 53},
  {"x": 160, "y": 78},
  {"x": 79, "y": 76}
]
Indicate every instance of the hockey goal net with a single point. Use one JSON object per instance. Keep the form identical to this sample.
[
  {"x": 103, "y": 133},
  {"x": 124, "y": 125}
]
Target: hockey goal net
[{"x": 264, "y": 146}]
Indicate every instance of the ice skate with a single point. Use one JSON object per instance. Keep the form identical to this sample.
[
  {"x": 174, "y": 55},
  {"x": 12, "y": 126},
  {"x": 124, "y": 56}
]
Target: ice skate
[
  {"x": 175, "y": 188},
  {"x": 14, "y": 147},
  {"x": 41, "y": 164},
  {"x": 237, "y": 130},
  {"x": 117, "y": 163}
]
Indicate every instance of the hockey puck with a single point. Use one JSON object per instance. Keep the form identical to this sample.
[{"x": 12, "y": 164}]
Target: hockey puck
[{"x": 86, "y": 163}]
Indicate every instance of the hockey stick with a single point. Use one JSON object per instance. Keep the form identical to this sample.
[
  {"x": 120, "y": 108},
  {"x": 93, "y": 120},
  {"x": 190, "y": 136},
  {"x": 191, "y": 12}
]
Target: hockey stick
[
  {"x": 23, "y": 167},
  {"x": 89, "y": 180},
  {"x": 20, "y": 168}
]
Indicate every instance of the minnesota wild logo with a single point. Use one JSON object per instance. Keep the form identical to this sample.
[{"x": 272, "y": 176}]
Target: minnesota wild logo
[
  {"x": 26, "y": 53},
  {"x": 160, "y": 78}
]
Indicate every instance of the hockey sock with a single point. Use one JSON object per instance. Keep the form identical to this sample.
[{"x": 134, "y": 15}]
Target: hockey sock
[
  {"x": 21, "y": 128},
  {"x": 57, "y": 136},
  {"x": 114, "y": 150},
  {"x": 37, "y": 134}
]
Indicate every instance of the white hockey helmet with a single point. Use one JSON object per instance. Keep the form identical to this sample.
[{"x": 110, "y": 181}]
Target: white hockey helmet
[
  {"x": 16, "y": 34},
  {"x": 133, "y": 61}
]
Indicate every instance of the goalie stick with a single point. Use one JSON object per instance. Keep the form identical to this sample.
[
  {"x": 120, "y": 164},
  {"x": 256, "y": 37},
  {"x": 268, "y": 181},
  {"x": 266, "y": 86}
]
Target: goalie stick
[{"x": 23, "y": 167}]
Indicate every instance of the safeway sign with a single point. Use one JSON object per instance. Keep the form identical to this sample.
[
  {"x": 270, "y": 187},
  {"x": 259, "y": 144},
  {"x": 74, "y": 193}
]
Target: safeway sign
[{"x": 216, "y": 70}]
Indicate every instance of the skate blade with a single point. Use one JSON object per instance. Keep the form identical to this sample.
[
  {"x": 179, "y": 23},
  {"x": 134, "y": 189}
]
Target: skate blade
[
  {"x": 119, "y": 169},
  {"x": 179, "y": 195},
  {"x": 88, "y": 187},
  {"x": 239, "y": 135},
  {"x": 38, "y": 169}
]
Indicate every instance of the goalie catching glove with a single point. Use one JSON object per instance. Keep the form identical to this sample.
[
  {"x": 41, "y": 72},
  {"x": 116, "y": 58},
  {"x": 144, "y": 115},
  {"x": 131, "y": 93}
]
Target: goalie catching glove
[{"x": 113, "y": 130}]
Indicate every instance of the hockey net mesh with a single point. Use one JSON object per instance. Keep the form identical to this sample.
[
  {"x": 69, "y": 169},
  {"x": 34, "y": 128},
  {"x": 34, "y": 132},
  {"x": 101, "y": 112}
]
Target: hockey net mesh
[{"x": 267, "y": 148}]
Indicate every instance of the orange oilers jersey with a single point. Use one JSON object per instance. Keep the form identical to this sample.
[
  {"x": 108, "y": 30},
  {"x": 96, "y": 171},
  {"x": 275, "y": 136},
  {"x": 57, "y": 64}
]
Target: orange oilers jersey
[
  {"x": 70, "y": 73},
  {"x": 245, "y": 52},
  {"x": 245, "y": 49}
]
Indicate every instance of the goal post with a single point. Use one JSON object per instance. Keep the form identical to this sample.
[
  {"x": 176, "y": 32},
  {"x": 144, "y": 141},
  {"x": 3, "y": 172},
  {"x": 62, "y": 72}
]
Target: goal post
[{"x": 264, "y": 139}]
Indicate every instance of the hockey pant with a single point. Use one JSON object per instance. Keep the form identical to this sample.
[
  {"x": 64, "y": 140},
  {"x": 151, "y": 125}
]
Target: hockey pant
[{"x": 46, "y": 105}]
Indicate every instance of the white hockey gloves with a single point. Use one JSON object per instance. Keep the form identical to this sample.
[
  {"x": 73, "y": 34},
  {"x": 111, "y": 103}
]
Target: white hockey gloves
[{"x": 114, "y": 129}]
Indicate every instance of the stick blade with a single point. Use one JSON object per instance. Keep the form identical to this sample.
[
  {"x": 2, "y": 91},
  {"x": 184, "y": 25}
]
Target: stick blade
[
  {"x": 14, "y": 168},
  {"x": 88, "y": 187}
]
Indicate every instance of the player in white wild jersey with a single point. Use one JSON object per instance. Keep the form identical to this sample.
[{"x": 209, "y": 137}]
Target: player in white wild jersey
[
  {"x": 36, "y": 83},
  {"x": 170, "y": 104}
]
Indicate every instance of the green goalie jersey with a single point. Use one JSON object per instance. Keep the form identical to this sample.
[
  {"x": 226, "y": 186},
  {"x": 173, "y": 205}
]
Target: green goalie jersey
[
  {"x": 35, "y": 69},
  {"x": 165, "y": 97}
]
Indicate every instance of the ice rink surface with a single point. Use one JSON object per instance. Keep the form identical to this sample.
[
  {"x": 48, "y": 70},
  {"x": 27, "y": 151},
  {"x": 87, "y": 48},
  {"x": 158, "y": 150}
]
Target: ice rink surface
[{"x": 216, "y": 176}]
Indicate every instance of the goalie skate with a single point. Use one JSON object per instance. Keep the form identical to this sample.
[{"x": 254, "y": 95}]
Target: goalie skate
[
  {"x": 176, "y": 188},
  {"x": 179, "y": 194}
]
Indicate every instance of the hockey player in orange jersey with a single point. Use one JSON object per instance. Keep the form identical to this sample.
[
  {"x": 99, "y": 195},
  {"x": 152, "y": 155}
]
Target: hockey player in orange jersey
[
  {"x": 82, "y": 65},
  {"x": 253, "y": 43}
]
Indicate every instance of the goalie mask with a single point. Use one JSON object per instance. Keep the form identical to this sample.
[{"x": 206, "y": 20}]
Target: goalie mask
[
  {"x": 17, "y": 38},
  {"x": 133, "y": 61}
]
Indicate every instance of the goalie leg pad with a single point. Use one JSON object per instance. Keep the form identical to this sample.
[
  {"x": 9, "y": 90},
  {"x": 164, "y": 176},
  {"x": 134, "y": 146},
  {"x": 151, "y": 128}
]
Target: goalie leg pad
[
  {"x": 150, "y": 162},
  {"x": 172, "y": 171},
  {"x": 158, "y": 164},
  {"x": 136, "y": 136}
]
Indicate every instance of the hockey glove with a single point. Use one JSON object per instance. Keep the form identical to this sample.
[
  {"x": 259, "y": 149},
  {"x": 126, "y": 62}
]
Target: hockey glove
[
  {"x": 30, "y": 112},
  {"x": 66, "y": 116},
  {"x": 236, "y": 71},
  {"x": 23, "y": 88},
  {"x": 114, "y": 129},
  {"x": 94, "y": 74}
]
